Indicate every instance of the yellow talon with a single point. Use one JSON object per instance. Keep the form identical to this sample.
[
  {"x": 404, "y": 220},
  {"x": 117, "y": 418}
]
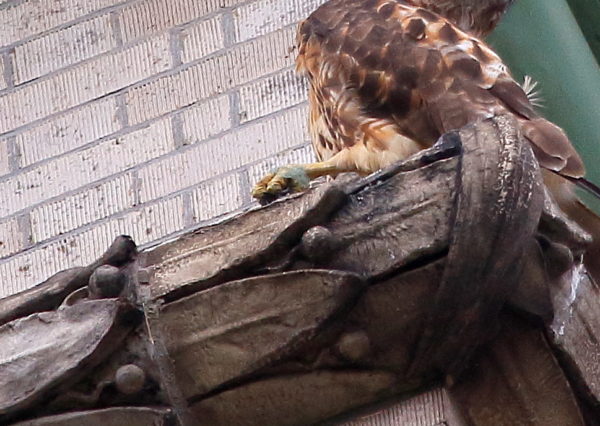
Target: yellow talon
[{"x": 292, "y": 178}]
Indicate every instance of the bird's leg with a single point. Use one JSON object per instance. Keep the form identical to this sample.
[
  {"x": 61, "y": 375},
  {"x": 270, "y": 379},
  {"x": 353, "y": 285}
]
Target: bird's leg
[{"x": 293, "y": 178}]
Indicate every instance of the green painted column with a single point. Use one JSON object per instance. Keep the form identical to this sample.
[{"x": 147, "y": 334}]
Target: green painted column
[
  {"x": 541, "y": 38},
  {"x": 587, "y": 13}
]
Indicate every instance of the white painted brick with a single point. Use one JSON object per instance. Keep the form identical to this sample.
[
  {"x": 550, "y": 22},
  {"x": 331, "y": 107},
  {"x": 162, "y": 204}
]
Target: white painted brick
[
  {"x": 23, "y": 271},
  {"x": 74, "y": 211},
  {"x": 271, "y": 94},
  {"x": 202, "y": 39},
  {"x": 215, "y": 75},
  {"x": 262, "y": 56},
  {"x": 31, "y": 17},
  {"x": 84, "y": 82},
  {"x": 217, "y": 197},
  {"x": 206, "y": 119},
  {"x": 144, "y": 225},
  {"x": 11, "y": 239},
  {"x": 68, "y": 131},
  {"x": 80, "y": 168},
  {"x": 264, "y": 16},
  {"x": 167, "y": 175},
  {"x": 62, "y": 48},
  {"x": 149, "y": 16},
  {"x": 77, "y": 184},
  {"x": 4, "y": 166},
  {"x": 2, "y": 80},
  {"x": 302, "y": 155},
  {"x": 211, "y": 158}
]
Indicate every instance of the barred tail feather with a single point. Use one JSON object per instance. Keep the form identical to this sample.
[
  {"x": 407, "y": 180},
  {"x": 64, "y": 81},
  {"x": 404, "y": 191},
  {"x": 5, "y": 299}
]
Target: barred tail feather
[{"x": 552, "y": 147}]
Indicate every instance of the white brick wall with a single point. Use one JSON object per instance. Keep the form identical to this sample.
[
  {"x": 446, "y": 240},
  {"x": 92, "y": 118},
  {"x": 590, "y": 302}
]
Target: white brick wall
[
  {"x": 3, "y": 83},
  {"x": 264, "y": 16},
  {"x": 84, "y": 82},
  {"x": 4, "y": 160},
  {"x": 20, "y": 20},
  {"x": 211, "y": 76},
  {"x": 202, "y": 39},
  {"x": 62, "y": 48},
  {"x": 67, "y": 131},
  {"x": 143, "y": 117},
  {"x": 12, "y": 240},
  {"x": 145, "y": 17}
]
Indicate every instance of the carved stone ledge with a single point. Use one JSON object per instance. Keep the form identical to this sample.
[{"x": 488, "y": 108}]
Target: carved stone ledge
[{"x": 452, "y": 271}]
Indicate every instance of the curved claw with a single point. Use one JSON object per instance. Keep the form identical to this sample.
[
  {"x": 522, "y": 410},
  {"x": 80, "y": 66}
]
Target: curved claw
[{"x": 284, "y": 179}]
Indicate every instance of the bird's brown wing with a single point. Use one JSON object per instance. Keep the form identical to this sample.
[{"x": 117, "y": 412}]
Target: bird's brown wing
[{"x": 408, "y": 66}]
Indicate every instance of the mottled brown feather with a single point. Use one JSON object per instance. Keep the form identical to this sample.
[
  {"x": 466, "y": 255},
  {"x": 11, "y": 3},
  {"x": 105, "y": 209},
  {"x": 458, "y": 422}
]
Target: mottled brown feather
[{"x": 384, "y": 72}]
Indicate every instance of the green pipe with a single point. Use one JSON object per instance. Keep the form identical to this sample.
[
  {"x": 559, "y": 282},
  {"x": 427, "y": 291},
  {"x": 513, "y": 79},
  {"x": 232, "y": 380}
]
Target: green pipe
[
  {"x": 542, "y": 39},
  {"x": 587, "y": 13}
]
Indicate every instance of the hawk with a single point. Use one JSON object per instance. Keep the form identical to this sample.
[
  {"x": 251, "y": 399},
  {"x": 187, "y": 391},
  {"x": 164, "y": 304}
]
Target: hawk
[{"x": 388, "y": 77}]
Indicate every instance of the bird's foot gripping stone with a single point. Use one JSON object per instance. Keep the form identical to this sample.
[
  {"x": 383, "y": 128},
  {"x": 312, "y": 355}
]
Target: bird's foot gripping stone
[{"x": 280, "y": 182}]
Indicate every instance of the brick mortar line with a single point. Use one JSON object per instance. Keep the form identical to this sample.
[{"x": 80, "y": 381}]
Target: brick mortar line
[
  {"x": 181, "y": 192},
  {"x": 175, "y": 47},
  {"x": 115, "y": 50},
  {"x": 170, "y": 154},
  {"x": 6, "y": 4},
  {"x": 24, "y": 224},
  {"x": 116, "y": 27},
  {"x": 188, "y": 208},
  {"x": 246, "y": 185},
  {"x": 8, "y": 76},
  {"x": 64, "y": 25},
  {"x": 120, "y": 49},
  {"x": 228, "y": 28},
  {"x": 153, "y": 77},
  {"x": 74, "y": 232},
  {"x": 14, "y": 156},
  {"x": 114, "y": 10},
  {"x": 46, "y": 243},
  {"x": 136, "y": 189},
  {"x": 177, "y": 130},
  {"x": 122, "y": 116},
  {"x": 234, "y": 107},
  {"x": 132, "y": 128}
]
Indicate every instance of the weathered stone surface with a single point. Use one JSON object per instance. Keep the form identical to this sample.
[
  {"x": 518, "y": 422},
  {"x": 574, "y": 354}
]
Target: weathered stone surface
[
  {"x": 354, "y": 346},
  {"x": 44, "y": 297},
  {"x": 373, "y": 234},
  {"x": 46, "y": 349},
  {"x": 532, "y": 294},
  {"x": 498, "y": 206},
  {"x": 252, "y": 322},
  {"x": 393, "y": 313},
  {"x": 107, "y": 281},
  {"x": 264, "y": 238},
  {"x": 129, "y": 379},
  {"x": 575, "y": 330},
  {"x": 222, "y": 253},
  {"x": 50, "y": 294},
  {"x": 559, "y": 229},
  {"x": 234, "y": 329},
  {"x": 515, "y": 380},
  {"x": 294, "y": 400},
  {"x": 118, "y": 416}
]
